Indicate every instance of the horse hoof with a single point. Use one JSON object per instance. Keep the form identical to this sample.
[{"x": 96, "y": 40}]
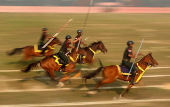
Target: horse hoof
[
  {"x": 91, "y": 92},
  {"x": 60, "y": 84},
  {"x": 118, "y": 97}
]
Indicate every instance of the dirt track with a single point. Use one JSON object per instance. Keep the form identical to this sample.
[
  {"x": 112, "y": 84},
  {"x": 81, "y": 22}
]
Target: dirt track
[{"x": 48, "y": 9}]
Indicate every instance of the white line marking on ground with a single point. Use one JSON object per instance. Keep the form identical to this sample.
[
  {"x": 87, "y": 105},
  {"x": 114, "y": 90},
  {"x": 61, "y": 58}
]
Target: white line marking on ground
[
  {"x": 67, "y": 89},
  {"x": 87, "y": 103},
  {"x": 48, "y": 78},
  {"x": 81, "y": 69}
]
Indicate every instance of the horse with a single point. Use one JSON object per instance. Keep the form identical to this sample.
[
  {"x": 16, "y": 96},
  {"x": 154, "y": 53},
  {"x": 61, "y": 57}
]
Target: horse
[
  {"x": 50, "y": 65},
  {"x": 112, "y": 72},
  {"x": 91, "y": 50},
  {"x": 30, "y": 51}
]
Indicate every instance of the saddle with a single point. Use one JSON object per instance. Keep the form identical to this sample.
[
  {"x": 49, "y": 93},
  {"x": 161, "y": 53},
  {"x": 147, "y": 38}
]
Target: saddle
[
  {"x": 123, "y": 70},
  {"x": 38, "y": 48}
]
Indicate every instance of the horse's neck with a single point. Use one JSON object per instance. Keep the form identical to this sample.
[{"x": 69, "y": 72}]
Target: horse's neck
[
  {"x": 142, "y": 66},
  {"x": 94, "y": 48},
  {"x": 51, "y": 45}
]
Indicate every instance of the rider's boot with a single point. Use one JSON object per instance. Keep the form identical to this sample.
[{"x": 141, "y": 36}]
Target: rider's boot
[
  {"x": 62, "y": 68},
  {"x": 43, "y": 51},
  {"x": 133, "y": 78}
]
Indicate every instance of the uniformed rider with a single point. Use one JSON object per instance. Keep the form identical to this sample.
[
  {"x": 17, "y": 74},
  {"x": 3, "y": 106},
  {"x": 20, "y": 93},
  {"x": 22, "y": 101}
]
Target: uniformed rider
[
  {"x": 64, "y": 49},
  {"x": 78, "y": 43},
  {"x": 128, "y": 54},
  {"x": 43, "y": 39}
]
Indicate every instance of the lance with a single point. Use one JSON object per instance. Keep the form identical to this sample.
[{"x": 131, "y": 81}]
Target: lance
[
  {"x": 135, "y": 58},
  {"x": 91, "y": 2},
  {"x": 86, "y": 38},
  {"x": 57, "y": 33}
]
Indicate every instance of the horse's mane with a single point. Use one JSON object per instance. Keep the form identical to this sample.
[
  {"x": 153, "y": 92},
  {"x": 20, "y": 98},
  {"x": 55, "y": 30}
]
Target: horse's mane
[
  {"x": 94, "y": 43},
  {"x": 145, "y": 56}
]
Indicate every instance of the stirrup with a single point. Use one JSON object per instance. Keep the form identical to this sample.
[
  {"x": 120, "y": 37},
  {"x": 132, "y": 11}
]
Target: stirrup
[
  {"x": 133, "y": 83},
  {"x": 81, "y": 62}
]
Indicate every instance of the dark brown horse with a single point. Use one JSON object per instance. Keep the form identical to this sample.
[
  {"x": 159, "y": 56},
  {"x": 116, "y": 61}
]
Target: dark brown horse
[
  {"x": 91, "y": 50},
  {"x": 50, "y": 66},
  {"x": 112, "y": 72},
  {"x": 30, "y": 51}
]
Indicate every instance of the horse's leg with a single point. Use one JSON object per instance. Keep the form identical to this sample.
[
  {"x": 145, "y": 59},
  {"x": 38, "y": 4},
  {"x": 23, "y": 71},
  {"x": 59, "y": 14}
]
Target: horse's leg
[
  {"x": 102, "y": 82},
  {"x": 51, "y": 74},
  {"x": 127, "y": 90},
  {"x": 66, "y": 77},
  {"x": 61, "y": 84}
]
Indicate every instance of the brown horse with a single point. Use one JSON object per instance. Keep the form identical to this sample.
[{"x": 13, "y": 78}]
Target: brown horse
[
  {"x": 112, "y": 72},
  {"x": 50, "y": 65},
  {"x": 91, "y": 50},
  {"x": 30, "y": 51}
]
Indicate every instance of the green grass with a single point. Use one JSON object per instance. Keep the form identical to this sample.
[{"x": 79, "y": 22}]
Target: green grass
[
  {"x": 114, "y": 29},
  {"x": 22, "y": 29}
]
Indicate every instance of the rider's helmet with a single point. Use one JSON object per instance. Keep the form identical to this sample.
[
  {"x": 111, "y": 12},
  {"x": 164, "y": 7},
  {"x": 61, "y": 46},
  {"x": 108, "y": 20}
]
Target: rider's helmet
[
  {"x": 79, "y": 31},
  {"x": 130, "y": 43},
  {"x": 44, "y": 29},
  {"x": 68, "y": 37}
]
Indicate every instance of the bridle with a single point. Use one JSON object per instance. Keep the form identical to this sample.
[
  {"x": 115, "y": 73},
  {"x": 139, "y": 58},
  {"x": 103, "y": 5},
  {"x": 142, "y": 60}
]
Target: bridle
[{"x": 150, "y": 61}]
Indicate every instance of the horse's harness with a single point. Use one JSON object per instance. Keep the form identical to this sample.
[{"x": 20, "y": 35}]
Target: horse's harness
[
  {"x": 148, "y": 63},
  {"x": 144, "y": 70},
  {"x": 94, "y": 52}
]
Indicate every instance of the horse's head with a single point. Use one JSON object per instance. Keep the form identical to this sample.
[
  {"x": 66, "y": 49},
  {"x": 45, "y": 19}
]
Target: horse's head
[
  {"x": 149, "y": 60},
  {"x": 56, "y": 41},
  {"x": 100, "y": 46}
]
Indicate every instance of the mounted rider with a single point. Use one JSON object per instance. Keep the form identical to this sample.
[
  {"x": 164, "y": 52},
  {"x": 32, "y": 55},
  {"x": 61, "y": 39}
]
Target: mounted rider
[
  {"x": 128, "y": 54},
  {"x": 77, "y": 44},
  {"x": 43, "y": 39},
  {"x": 64, "y": 49}
]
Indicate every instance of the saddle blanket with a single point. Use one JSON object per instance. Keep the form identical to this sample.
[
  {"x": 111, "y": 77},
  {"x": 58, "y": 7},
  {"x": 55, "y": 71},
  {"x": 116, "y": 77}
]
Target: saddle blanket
[
  {"x": 58, "y": 60},
  {"x": 123, "y": 70},
  {"x": 38, "y": 48}
]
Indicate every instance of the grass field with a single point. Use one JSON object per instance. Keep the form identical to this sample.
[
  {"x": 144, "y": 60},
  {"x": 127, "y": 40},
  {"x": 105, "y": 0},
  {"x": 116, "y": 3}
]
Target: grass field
[{"x": 114, "y": 29}]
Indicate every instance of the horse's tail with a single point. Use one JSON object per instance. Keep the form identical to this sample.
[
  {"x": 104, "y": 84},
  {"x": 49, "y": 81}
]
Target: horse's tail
[
  {"x": 31, "y": 67},
  {"x": 92, "y": 74},
  {"x": 15, "y": 51}
]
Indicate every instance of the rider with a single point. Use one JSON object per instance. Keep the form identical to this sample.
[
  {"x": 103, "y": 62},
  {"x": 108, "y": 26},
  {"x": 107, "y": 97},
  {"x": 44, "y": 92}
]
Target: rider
[
  {"x": 64, "y": 49},
  {"x": 77, "y": 44},
  {"x": 43, "y": 38},
  {"x": 128, "y": 54}
]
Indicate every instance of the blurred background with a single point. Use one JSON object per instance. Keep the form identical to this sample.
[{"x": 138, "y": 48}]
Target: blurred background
[
  {"x": 126, "y": 3},
  {"x": 114, "y": 22}
]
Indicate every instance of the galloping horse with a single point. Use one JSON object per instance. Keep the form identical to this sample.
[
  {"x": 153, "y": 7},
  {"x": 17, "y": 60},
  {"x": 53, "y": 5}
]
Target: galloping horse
[
  {"x": 49, "y": 64},
  {"x": 30, "y": 51},
  {"x": 91, "y": 50},
  {"x": 110, "y": 73}
]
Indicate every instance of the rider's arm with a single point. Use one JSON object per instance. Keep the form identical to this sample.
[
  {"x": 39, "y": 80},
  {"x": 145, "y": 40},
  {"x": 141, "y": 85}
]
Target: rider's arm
[
  {"x": 83, "y": 43},
  {"x": 69, "y": 45},
  {"x": 48, "y": 36},
  {"x": 76, "y": 40},
  {"x": 132, "y": 54}
]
